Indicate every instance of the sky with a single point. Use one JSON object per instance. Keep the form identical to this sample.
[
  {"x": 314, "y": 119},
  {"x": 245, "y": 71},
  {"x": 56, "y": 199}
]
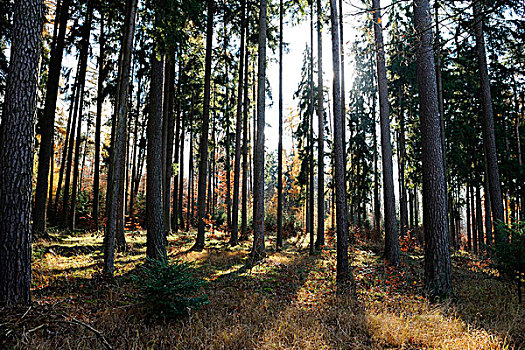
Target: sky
[{"x": 297, "y": 37}]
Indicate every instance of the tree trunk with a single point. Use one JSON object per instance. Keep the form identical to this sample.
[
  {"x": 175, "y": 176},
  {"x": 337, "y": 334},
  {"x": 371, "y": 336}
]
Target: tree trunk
[
  {"x": 16, "y": 153},
  {"x": 473, "y": 220},
  {"x": 203, "y": 145},
  {"x": 118, "y": 154},
  {"x": 343, "y": 91},
  {"x": 48, "y": 121},
  {"x": 236, "y": 180},
  {"x": 469, "y": 228},
  {"x": 279, "y": 241},
  {"x": 391, "y": 234},
  {"x": 155, "y": 239},
  {"x": 258, "y": 249},
  {"x": 245, "y": 161},
  {"x": 98, "y": 123},
  {"x": 403, "y": 210},
  {"x": 489, "y": 138},
  {"x": 479, "y": 220},
  {"x": 310, "y": 191},
  {"x": 65, "y": 149},
  {"x": 377, "y": 204},
  {"x": 181, "y": 173},
  {"x": 343, "y": 267},
  {"x": 170, "y": 130},
  {"x": 84, "y": 51},
  {"x": 320, "y": 143},
  {"x": 488, "y": 218},
  {"x": 437, "y": 256}
]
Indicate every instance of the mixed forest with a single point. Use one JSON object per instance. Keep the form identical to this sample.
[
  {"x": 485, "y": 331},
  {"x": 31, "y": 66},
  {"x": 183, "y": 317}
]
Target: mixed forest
[{"x": 159, "y": 189}]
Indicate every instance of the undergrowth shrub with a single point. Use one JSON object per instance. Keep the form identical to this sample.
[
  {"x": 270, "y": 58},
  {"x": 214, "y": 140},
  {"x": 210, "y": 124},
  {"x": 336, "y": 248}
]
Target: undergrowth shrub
[
  {"x": 510, "y": 255},
  {"x": 169, "y": 288}
]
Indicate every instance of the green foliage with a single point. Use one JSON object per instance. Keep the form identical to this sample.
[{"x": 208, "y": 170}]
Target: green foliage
[
  {"x": 169, "y": 288},
  {"x": 510, "y": 256}
]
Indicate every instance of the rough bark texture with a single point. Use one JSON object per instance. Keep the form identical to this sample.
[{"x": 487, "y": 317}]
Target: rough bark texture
[
  {"x": 279, "y": 241},
  {"x": 47, "y": 122},
  {"x": 245, "y": 161},
  {"x": 343, "y": 267},
  {"x": 377, "y": 204},
  {"x": 203, "y": 146},
  {"x": 310, "y": 189},
  {"x": 118, "y": 154},
  {"x": 155, "y": 239},
  {"x": 237, "y": 166},
  {"x": 489, "y": 138},
  {"x": 391, "y": 234},
  {"x": 320, "y": 143},
  {"x": 437, "y": 256},
  {"x": 343, "y": 91},
  {"x": 258, "y": 249},
  {"x": 16, "y": 153}
]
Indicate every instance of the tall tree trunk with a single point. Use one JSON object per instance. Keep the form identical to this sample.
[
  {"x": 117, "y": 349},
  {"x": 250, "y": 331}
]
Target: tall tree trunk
[
  {"x": 488, "y": 218},
  {"x": 98, "y": 122},
  {"x": 343, "y": 267},
  {"x": 245, "y": 161},
  {"x": 310, "y": 191},
  {"x": 203, "y": 145},
  {"x": 118, "y": 154},
  {"x": 391, "y": 234},
  {"x": 16, "y": 153},
  {"x": 403, "y": 210},
  {"x": 279, "y": 241},
  {"x": 156, "y": 235},
  {"x": 469, "y": 228},
  {"x": 169, "y": 122},
  {"x": 437, "y": 256},
  {"x": 473, "y": 219},
  {"x": 237, "y": 166},
  {"x": 258, "y": 249},
  {"x": 320, "y": 142},
  {"x": 48, "y": 121},
  {"x": 180, "y": 206},
  {"x": 479, "y": 219},
  {"x": 343, "y": 91},
  {"x": 65, "y": 148},
  {"x": 84, "y": 51},
  {"x": 377, "y": 204},
  {"x": 489, "y": 138},
  {"x": 70, "y": 147},
  {"x": 189, "y": 212},
  {"x": 177, "y": 160}
]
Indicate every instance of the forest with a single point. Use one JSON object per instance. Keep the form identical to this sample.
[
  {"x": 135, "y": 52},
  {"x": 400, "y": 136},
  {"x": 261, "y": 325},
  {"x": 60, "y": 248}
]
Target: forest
[{"x": 273, "y": 174}]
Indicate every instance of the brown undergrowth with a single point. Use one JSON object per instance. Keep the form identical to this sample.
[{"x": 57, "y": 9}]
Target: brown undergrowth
[{"x": 288, "y": 301}]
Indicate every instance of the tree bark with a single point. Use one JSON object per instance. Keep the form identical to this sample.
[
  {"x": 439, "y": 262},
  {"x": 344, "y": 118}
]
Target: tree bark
[
  {"x": 118, "y": 155},
  {"x": 437, "y": 256},
  {"x": 98, "y": 122},
  {"x": 234, "y": 239},
  {"x": 258, "y": 248},
  {"x": 16, "y": 153},
  {"x": 279, "y": 241},
  {"x": 320, "y": 143},
  {"x": 343, "y": 266},
  {"x": 489, "y": 138},
  {"x": 391, "y": 234},
  {"x": 156, "y": 235},
  {"x": 203, "y": 146},
  {"x": 48, "y": 121},
  {"x": 245, "y": 161}
]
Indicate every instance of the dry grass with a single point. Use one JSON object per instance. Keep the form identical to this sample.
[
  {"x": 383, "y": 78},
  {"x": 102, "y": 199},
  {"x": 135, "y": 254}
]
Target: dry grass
[{"x": 289, "y": 301}]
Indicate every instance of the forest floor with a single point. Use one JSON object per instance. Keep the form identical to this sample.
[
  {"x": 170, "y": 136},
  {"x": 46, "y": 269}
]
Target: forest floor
[{"x": 288, "y": 301}]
